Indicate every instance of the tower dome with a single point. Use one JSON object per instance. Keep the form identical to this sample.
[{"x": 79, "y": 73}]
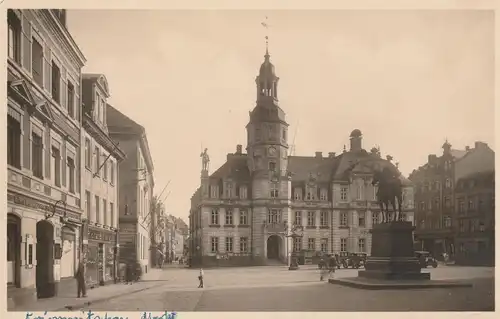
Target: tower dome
[{"x": 356, "y": 133}]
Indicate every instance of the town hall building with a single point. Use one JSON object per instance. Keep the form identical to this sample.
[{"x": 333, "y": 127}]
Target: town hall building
[{"x": 244, "y": 212}]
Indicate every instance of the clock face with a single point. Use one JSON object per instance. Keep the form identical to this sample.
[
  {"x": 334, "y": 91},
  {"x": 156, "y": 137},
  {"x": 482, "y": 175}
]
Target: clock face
[{"x": 272, "y": 151}]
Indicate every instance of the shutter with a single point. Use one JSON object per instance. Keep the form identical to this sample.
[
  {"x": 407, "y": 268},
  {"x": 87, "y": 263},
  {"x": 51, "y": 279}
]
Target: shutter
[
  {"x": 64, "y": 88},
  {"x": 47, "y": 71},
  {"x": 26, "y": 44}
]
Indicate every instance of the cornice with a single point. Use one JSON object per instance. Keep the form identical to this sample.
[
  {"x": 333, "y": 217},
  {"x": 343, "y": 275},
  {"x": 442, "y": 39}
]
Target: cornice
[{"x": 103, "y": 139}]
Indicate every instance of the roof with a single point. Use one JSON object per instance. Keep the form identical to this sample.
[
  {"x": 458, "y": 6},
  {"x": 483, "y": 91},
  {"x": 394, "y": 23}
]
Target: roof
[
  {"x": 458, "y": 153},
  {"x": 302, "y": 167},
  {"x": 235, "y": 168},
  {"x": 478, "y": 175}
]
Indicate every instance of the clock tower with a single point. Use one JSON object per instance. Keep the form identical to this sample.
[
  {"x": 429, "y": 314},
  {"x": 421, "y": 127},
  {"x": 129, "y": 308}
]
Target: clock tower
[{"x": 267, "y": 149}]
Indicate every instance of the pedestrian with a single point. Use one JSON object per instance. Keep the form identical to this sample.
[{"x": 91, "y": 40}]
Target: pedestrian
[
  {"x": 200, "y": 278},
  {"x": 323, "y": 269},
  {"x": 332, "y": 264},
  {"x": 128, "y": 272},
  {"x": 80, "y": 280}
]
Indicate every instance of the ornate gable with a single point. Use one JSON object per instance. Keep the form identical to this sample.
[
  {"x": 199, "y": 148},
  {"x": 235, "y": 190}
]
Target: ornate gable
[
  {"x": 22, "y": 91},
  {"x": 44, "y": 110}
]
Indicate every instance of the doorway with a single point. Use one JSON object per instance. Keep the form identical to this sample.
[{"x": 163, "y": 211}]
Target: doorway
[
  {"x": 45, "y": 286},
  {"x": 273, "y": 247},
  {"x": 13, "y": 249}
]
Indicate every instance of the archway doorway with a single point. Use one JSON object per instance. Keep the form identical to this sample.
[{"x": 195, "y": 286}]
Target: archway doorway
[
  {"x": 45, "y": 286},
  {"x": 13, "y": 249},
  {"x": 273, "y": 247}
]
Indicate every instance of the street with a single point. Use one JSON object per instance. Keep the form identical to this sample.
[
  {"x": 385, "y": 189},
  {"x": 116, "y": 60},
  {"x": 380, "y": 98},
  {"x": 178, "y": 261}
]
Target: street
[{"x": 277, "y": 289}]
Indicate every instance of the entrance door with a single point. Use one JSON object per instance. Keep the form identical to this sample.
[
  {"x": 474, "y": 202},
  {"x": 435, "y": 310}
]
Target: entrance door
[
  {"x": 13, "y": 249},
  {"x": 45, "y": 286},
  {"x": 273, "y": 247}
]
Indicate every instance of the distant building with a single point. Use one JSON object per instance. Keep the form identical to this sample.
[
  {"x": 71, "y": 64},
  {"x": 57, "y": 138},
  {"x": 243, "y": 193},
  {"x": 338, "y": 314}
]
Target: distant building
[
  {"x": 101, "y": 158},
  {"x": 242, "y": 213},
  {"x": 136, "y": 185},
  {"x": 436, "y": 195}
]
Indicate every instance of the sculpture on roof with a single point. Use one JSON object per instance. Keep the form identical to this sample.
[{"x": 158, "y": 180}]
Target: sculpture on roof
[
  {"x": 205, "y": 160},
  {"x": 390, "y": 190}
]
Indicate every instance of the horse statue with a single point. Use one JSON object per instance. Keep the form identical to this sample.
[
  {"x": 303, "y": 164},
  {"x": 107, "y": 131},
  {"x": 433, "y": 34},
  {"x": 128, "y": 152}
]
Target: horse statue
[{"x": 390, "y": 189}]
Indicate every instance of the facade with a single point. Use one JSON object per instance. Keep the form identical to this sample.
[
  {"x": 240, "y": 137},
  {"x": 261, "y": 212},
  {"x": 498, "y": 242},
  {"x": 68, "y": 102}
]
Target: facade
[
  {"x": 44, "y": 211},
  {"x": 439, "y": 199},
  {"x": 242, "y": 213},
  {"x": 101, "y": 157},
  {"x": 136, "y": 186}
]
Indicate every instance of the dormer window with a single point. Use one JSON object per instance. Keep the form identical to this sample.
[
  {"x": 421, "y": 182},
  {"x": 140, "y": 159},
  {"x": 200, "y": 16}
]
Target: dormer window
[
  {"x": 229, "y": 190},
  {"x": 310, "y": 193},
  {"x": 297, "y": 193},
  {"x": 323, "y": 194},
  {"x": 214, "y": 191}
]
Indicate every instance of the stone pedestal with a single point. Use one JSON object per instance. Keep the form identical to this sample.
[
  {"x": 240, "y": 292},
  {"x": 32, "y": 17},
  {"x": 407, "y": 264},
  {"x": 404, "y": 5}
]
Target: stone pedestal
[{"x": 392, "y": 255}]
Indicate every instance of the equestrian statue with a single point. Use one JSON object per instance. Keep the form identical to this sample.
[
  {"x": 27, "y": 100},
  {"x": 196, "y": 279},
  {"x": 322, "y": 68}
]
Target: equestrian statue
[{"x": 390, "y": 190}]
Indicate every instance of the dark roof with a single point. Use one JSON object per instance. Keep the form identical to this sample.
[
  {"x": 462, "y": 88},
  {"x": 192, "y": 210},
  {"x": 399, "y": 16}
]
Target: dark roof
[
  {"x": 267, "y": 111},
  {"x": 458, "y": 153},
  {"x": 235, "y": 167},
  {"x": 302, "y": 167},
  {"x": 478, "y": 175},
  {"x": 117, "y": 121},
  {"x": 356, "y": 133}
]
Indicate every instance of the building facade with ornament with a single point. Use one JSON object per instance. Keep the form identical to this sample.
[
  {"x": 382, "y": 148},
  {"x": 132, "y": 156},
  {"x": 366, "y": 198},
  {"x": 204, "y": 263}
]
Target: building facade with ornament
[{"x": 262, "y": 205}]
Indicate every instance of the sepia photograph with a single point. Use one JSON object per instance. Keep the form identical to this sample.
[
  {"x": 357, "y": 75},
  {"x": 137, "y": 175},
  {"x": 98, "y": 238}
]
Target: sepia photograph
[{"x": 249, "y": 160}]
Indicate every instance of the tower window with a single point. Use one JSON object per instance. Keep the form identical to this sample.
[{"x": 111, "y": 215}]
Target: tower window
[
  {"x": 283, "y": 135},
  {"x": 272, "y": 166}
]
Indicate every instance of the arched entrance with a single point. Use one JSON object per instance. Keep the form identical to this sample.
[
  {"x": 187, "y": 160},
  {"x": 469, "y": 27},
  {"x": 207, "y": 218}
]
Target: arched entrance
[
  {"x": 13, "y": 249},
  {"x": 45, "y": 287},
  {"x": 273, "y": 247}
]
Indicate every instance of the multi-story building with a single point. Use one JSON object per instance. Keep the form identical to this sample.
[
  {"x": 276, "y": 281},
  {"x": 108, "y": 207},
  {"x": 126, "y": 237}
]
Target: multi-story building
[
  {"x": 101, "y": 157},
  {"x": 436, "y": 194},
  {"x": 475, "y": 206},
  {"x": 136, "y": 185},
  {"x": 242, "y": 213},
  {"x": 43, "y": 153}
]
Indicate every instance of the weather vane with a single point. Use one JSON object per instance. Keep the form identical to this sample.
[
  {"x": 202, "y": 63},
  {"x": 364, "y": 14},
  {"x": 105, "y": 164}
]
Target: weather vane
[{"x": 266, "y": 25}]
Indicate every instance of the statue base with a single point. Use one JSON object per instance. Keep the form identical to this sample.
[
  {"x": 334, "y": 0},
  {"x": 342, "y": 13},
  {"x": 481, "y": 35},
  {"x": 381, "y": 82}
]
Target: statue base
[{"x": 392, "y": 264}]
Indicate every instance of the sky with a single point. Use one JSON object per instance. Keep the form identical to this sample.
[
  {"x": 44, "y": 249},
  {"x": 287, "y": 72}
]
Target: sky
[{"x": 408, "y": 80}]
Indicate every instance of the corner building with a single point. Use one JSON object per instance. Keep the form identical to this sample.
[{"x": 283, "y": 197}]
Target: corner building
[{"x": 240, "y": 214}]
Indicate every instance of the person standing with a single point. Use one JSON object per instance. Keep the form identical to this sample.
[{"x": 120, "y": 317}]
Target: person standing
[
  {"x": 332, "y": 264},
  {"x": 323, "y": 268},
  {"x": 80, "y": 280},
  {"x": 200, "y": 278}
]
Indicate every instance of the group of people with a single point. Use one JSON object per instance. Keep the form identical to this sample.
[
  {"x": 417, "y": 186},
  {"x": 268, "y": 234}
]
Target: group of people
[{"x": 327, "y": 264}]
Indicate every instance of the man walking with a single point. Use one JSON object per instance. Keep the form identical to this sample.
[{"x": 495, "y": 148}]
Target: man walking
[
  {"x": 200, "y": 278},
  {"x": 80, "y": 280},
  {"x": 332, "y": 264}
]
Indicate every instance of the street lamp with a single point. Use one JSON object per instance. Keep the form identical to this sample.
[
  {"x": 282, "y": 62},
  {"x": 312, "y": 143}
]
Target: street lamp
[
  {"x": 295, "y": 232},
  {"x": 51, "y": 214}
]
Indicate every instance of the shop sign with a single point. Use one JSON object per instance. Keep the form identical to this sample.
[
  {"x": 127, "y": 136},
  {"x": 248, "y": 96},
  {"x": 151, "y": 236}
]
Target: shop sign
[
  {"x": 100, "y": 236},
  {"x": 46, "y": 208}
]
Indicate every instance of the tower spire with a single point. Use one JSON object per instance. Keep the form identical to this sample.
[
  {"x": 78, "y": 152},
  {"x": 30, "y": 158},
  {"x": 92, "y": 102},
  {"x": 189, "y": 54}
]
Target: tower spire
[{"x": 266, "y": 25}]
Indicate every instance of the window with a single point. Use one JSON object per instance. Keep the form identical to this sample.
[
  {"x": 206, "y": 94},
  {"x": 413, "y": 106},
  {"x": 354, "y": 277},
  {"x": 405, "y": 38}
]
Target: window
[
  {"x": 362, "y": 219},
  {"x": 214, "y": 244},
  {"x": 243, "y": 192},
  {"x": 422, "y": 206},
  {"x": 274, "y": 190},
  {"x": 436, "y": 203},
  {"x": 461, "y": 205},
  {"x": 471, "y": 205},
  {"x": 323, "y": 194},
  {"x": 229, "y": 244},
  {"x": 375, "y": 191},
  {"x": 343, "y": 219},
  {"x": 214, "y": 191},
  {"x": 257, "y": 134},
  {"x": 243, "y": 217},
  {"x": 298, "y": 218},
  {"x": 87, "y": 204},
  {"x": 98, "y": 108},
  {"x": 56, "y": 83},
  {"x": 283, "y": 135},
  {"x": 343, "y": 193},
  {"x": 323, "y": 218},
  {"x": 461, "y": 226},
  {"x": 111, "y": 214},
  {"x": 37, "y": 62},
  {"x": 112, "y": 173},
  {"x": 97, "y": 160},
  {"x": 37, "y": 155},
  {"x": 215, "y": 217},
  {"x": 437, "y": 185},
  {"x": 447, "y": 202},
  {"x": 104, "y": 212},
  {"x": 361, "y": 245},
  {"x": 13, "y": 142},
  {"x": 297, "y": 193},
  {"x": 71, "y": 174},
  {"x": 243, "y": 244},
  {"x": 229, "y": 217},
  {"x": 70, "y": 99},
  {"x": 14, "y": 37},
  {"x": 272, "y": 166},
  {"x": 88, "y": 157},
  {"x": 343, "y": 244},
  {"x": 448, "y": 183},
  {"x": 311, "y": 244},
  {"x": 56, "y": 166},
  {"x": 229, "y": 190},
  {"x": 297, "y": 244},
  {"x": 375, "y": 218},
  {"x": 359, "y": 192},
  {"x": 97, "y": 212},
  {"x": 273, "y": 216},
  {"x": 324, "y": 245},
  {"x": 310, "y": 191},
  {"x": 105, "y": 168},
  {"x": 447, "y": 222},
  {"x": 311, "y": 218}
]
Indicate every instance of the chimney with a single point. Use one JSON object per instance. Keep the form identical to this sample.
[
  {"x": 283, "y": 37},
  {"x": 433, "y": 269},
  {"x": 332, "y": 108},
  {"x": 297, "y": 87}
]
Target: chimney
[
  {"x": 331, "y": 154},
  {"x": 238, "y": 149},
  {"x": 319, "y": 155},
  {"x": 431, "y": 158},
  {"x": 356, "y": 138},
  {"x": 479, "y": 144},
  {"x": 467, "y": 148}
]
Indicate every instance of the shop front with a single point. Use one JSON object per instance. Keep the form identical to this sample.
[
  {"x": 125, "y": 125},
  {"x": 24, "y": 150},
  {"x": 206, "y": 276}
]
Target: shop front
[{"x": 100, "y": 256}]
